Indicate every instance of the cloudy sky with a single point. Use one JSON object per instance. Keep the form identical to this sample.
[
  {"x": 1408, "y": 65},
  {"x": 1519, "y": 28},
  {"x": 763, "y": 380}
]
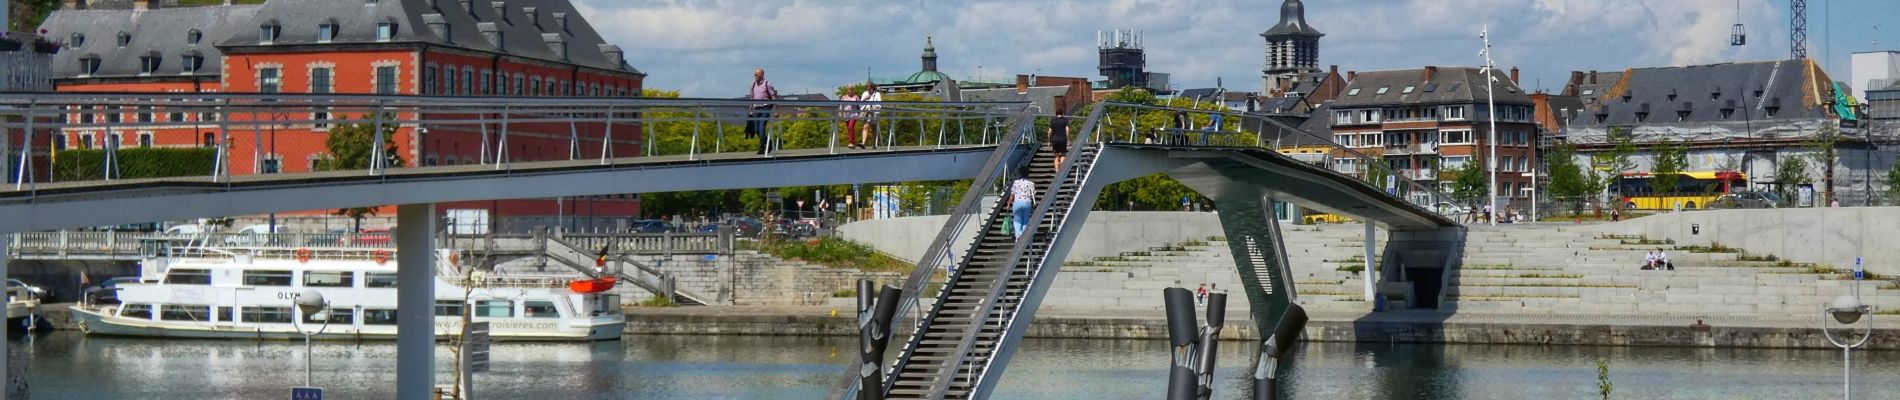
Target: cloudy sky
[{"x": 707, "y": 48}]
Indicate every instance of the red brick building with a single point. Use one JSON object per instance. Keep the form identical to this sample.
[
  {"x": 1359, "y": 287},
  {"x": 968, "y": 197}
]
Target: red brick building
[
  {"x": 519, "y": 48},
  {"x": 1425, "y": 123}
]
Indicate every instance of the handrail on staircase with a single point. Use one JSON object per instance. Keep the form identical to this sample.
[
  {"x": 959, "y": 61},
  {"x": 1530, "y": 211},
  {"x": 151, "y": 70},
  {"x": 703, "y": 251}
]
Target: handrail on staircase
[
  {"x": 988, "y": 306},
  {"x": 1019, "y": 123}
]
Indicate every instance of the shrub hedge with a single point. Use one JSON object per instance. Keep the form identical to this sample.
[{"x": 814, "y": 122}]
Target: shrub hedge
[{"x": 136, "y": 163}]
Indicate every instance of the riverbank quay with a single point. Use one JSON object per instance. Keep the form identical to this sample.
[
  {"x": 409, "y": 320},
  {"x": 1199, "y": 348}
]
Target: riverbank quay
[{"x": 1406, "y": 326}]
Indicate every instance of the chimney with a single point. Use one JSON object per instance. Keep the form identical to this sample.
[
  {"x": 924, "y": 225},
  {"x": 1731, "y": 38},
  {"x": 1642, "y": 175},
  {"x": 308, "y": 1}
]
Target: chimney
[
  {"x": 1593, "y": 77},
  {"x": 438, "y": 26},
  {"x": 1022, "y": 84},
  {"x": 1576, "y": 77},
  {"x": 501, "y": 10},
  {"x": 556, "y": 44},
  {"x": 141, "y": 4},
  {"x": 1334, "y": 70},
  {"x": 1351, "y": 75},
  {"x": 1514, "y": 76},
  {"x": 533, "y": 16},
  {"x": 491, "y": 32},
  {"x": 560, "y": 20},
  {"x": 1430, "y": 71}
]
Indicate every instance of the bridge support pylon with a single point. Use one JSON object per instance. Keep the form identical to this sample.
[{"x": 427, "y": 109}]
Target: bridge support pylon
[{"x": 415, "y": 301}]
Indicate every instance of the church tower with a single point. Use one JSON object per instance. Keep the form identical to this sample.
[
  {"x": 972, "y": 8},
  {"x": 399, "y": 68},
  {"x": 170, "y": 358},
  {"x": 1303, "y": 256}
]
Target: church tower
[{"x": 1292, "y": 48}]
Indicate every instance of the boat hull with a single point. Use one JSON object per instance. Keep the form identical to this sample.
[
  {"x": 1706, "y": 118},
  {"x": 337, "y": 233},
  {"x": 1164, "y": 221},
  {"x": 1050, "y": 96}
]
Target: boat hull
[{"x": 98, "y": 322}]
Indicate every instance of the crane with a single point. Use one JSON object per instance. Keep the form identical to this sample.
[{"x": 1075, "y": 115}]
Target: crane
[
  {"x": 1738, "y": 35},
  {"x": 1798, "y": 34}
]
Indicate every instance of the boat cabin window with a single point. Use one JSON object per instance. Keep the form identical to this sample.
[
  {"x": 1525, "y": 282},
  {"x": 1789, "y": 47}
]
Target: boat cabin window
[
  {"x": 448, "y": 308},
  {"x": 174, "y": 312},
  {"x": 267, "y": 315},
  {"x": 379, "y": 316},
  {"x": 539, "y": 309},
  {"x": 266, "y": 278},
  {"x": 224, "y": 314},
  {"x": 337, "y": 316},
  {"x": 136, "y": 311},
  {"x": 329, "y": 279},
  {"x": 379, "y": 280},
  {"x": 495, "y": 308},
  {"x": 188, "y": 276}
]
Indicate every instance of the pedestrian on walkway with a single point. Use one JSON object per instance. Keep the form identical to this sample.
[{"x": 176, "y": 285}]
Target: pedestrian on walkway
[
  {"x": 761, "y": 113},
  {"x": 1059, "y": 136},
  {"x": 1022, "y": 193},
  {"x": 868, "y": 114},
  {"x": 1200, "y": 295},
  {"x": 850, "y": 115}
]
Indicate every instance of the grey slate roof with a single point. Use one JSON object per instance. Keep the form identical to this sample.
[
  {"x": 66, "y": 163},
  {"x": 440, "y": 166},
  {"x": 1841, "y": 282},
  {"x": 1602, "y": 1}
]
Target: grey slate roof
[
  {"x": 1293, "y": 21},
  {"x": 1781, "y": 82},
  {"x": 1279, "y": 105},
  {"x": 1450, "y": 85},
  {"x": 160, "y": 31},
  {"x": 1589, "y": 92},
  {"x": 1318, "y": 122},
  {"x": 1205, "y": 94},
  {"x": 521, "y": 35}
]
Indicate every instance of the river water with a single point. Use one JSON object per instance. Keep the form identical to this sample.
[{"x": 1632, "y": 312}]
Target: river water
[{"x": 68, "y": 365}]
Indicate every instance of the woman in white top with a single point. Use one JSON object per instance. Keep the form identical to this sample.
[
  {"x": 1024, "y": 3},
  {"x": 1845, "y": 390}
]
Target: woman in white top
[
  {"x": 869, "y": 116},
  {"x": 1022, "y": 194},
  {"x": 1649, "y": 260}
]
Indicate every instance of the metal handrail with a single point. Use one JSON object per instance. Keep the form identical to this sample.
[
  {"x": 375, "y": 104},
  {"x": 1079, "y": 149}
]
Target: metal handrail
[
  {"x": 1020, "y": 124},
  {"x": 1406, "y": 189},
  {"x": 989, "y": 303}
]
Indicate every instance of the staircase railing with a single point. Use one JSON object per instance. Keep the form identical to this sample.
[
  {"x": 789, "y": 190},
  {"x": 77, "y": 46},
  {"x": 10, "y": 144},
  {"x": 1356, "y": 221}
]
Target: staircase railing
[
  {"x": 988, "y": 305},
  {"x": 1019, "y": 126}
]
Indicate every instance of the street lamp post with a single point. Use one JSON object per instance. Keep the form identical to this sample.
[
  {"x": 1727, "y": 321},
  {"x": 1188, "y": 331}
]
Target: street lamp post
[
  {"x": 1491, "y": 99},
  {"x": 1847, "y": 310},
  {"x": 1533, "y": 175},
  {"x": 311, "y": 302}
]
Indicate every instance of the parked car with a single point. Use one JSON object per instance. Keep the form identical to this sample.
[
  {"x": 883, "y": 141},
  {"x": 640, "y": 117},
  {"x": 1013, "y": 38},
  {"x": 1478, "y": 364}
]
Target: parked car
[
  {"x": 745, "y": 226},
  {"x": 108, "y": 291},
  {"x": 652, "y": 226},
  {"x": 795, "y": 229},
  {"x": 1746, "y": 200}
]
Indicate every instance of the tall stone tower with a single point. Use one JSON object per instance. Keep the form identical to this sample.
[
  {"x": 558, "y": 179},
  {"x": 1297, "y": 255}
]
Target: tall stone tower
[{"x": 1292, "y": 48}]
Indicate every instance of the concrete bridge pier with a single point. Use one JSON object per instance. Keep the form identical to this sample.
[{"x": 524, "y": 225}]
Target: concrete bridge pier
[{"x": 415, "y": 301}]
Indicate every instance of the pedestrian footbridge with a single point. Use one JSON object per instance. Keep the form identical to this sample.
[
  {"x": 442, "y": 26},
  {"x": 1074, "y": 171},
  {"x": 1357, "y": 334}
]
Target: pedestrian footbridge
[{"x": 959, "y": 316}]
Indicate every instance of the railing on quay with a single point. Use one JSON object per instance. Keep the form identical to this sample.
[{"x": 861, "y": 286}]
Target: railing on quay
[
  {"x": 1150, "y": 124},
  {"x": 130, "y": 245},
  {"x": 243, "y": 129}
]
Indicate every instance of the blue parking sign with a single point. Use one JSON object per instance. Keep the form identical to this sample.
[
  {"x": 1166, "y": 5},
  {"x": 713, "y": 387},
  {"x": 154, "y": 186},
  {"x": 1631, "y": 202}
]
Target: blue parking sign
[
  {"x": 306, "y": 393},
  {"x": 1859, "y": 272}
]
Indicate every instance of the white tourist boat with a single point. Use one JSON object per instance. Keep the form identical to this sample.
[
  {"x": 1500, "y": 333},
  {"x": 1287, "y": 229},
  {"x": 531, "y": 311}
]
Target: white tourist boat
[{"x": 236, "y": 292}]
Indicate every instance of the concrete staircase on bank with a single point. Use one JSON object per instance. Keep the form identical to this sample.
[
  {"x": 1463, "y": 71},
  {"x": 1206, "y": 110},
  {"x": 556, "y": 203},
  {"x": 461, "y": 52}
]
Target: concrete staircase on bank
[
  {"x": 1564, "y": 270},
  {"x": 1134, "y": 279}
]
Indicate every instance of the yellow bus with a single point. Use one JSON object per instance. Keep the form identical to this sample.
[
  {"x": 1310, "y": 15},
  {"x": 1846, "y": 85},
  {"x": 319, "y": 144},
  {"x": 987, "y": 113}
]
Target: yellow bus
[{"x": 1693, "y": 189}]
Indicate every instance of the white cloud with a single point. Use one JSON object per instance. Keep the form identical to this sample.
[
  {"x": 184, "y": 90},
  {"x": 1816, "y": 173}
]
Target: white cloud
[{"x": 707, "y": 48}]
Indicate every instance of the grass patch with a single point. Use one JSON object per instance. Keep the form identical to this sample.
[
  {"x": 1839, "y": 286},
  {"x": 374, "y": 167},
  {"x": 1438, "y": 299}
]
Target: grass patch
[
  {"x": 658, "y": 301},
  {"x": 844, "y": 293},
  {"x": 1890, "y": 285},
  {"x": 1216, "y": 238},
  {"x": 1356, "y": 268},
  {"x": 1143, "y": 253},
  {"x": 1716, "y": 247},
  {"x": 837, "y": 253},
  {"x": 1354, "y": 259},
  {"x": 1488, "y": 266},
  {"x": 1193, "y": 243},
  {"x": 1550, "y": 276},
  {"x": 1753, "y": 257},
  {"x": 1114, "y": 259},
  {"x": 1645, "y": 241},
  {"x": 1078, "y": 264}
]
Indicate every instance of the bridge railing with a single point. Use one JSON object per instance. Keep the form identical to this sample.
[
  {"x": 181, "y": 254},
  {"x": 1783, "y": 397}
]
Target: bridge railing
[
  {"x": 130, "y": 245},
  {"x": 240, "y": 134},
  {"x": 1141, "y": 123}
]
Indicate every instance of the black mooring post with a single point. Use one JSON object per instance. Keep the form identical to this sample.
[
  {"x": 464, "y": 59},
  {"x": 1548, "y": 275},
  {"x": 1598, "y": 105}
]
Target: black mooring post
[
  {"x": 1210, "y": 343},
  {"x": 1274, "y": 349},
  {"x": 870, "y": 377},
  {"x": 1182, "y": 378}
]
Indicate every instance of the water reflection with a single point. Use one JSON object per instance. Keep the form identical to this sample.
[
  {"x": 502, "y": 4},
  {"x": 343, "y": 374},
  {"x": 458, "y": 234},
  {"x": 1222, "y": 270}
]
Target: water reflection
[{"x": 71, "y": 366}]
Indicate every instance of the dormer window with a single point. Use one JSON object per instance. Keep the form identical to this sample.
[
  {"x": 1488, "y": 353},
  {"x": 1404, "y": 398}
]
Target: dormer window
[
  {"x": 267, "y": 33},
  {"x": 79, "y": 40},
  {"x": 1642, "y": 112},
  {"x": 191, "y": 63},
  {"x": 1682, "y": 115},
  {"x": 1715, "y": 95},
  {"x": 124, "y": 39},
  {"x": 1672, "y": 95},
  {"x": 148, "y": 63},
  {"x": 326, "y": 32},
  {"x": 385, "y": 31},
  {"x": 194, "y": 37},
  {"x": 89, "y": 64}
]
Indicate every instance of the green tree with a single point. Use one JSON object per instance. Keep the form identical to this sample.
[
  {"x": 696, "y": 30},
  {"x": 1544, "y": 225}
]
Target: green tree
[
  {"x": 1671, "y": 158},
  {"x": 1568, "y": 180},
  {"x": 1893, "y": 182},
  {"x": 1790, "y": 174},
  {"x": 1470, "y": 183},
  {"x": 351, "y": 148},
  {"x": 1822, "y": 152}
]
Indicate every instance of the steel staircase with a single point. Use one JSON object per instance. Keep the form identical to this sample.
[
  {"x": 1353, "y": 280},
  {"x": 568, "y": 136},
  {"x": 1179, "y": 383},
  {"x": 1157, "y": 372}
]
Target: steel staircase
[{"x": 949, "y": 353}]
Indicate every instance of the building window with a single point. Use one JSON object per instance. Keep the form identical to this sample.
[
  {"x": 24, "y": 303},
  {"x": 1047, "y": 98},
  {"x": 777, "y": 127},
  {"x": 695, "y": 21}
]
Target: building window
[
  {"x": 468, "y": 81},
  {"x": 89, "y": 65},
  {"x": 1455, "y": 112},
  {"x": 385, "y": 31},
  {"x": 270, "y": 80},
  {"x": 145, "y": 140},
  {"x": 326, "y": 32},
  {"x": 448, "y": 80},
  {"x": 148, "y": 64},
  {"x": 1456, "y": 137},
  {"x": 534, "y": 86},
  {"x": 1508, "y": 165},
  {"x": 267, "y": 33},
  {"x": 1383, "y": 89},
  {"x": 488, "y": 82},
  {"x": 428, "y": 80},
  {"x": 194, "y": 36},
  {"x": 386, "y": 80},
  {"x": 85, "y": 141},
  {"x": 210, "y": 139},
  {"x": 125, "y": 39},
  {"x": 517, "y": 88},
  {"x": 59, "y": 142},
  {"x": 1369, "y": 116},
  {"x": 145, "y": 112},
  {"x": 321, "y": 80},
  {"x": 273, "y": 165},
  {"x": 191, "y": 63},
  {"x": 1408, "y": 90}
]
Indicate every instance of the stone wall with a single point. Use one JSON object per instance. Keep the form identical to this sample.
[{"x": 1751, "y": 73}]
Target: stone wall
[
  {"x": 1832, "y": 236},
  {"x": 754, "y": 279},
  {"x": 1104, "y": 233}
]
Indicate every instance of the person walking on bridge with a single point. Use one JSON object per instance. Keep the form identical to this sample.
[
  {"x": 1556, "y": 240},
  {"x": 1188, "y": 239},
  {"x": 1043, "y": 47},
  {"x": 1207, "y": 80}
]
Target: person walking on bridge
[
  {"x": 1059, "y": 136},
  {"x": 761, "y": 112},
  {"x": 1022, "y": 194},
  {"x": 868, "y": 118}
]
